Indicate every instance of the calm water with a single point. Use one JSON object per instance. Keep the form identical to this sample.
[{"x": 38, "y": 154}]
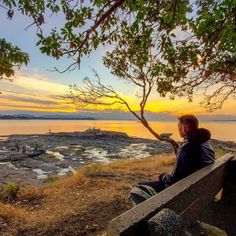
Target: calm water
[{"x": 220, "y": 130}]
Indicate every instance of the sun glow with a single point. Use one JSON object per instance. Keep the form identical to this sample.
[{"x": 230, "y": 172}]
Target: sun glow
[{"x": 37, "y": 93}]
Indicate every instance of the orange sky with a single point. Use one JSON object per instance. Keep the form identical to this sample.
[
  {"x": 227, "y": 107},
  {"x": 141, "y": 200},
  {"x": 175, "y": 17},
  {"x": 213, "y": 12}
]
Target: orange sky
[{"x": 37, "y": 93}]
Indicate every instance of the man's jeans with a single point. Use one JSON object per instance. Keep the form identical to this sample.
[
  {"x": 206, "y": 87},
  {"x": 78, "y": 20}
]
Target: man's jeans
[{"x": 157, "y": 185}]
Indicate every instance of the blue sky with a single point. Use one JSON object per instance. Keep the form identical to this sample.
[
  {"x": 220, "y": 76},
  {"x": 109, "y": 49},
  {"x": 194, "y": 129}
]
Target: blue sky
[{"x": 14, "y": 31}]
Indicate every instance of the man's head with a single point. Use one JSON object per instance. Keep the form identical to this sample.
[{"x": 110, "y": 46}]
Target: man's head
[{"x": 187, "y": 123}]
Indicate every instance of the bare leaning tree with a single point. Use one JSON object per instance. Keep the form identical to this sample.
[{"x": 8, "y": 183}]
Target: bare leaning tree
[
  {"x": 96, "y": 93},
  {"x": 135, "y": 64}
]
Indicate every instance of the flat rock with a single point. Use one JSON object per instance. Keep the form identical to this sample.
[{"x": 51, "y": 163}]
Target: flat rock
[{"x": 77, "y": 149}]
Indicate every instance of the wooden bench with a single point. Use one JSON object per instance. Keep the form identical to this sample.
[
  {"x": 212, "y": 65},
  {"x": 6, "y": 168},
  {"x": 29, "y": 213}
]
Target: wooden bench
[{"x": 185, "y": 200}]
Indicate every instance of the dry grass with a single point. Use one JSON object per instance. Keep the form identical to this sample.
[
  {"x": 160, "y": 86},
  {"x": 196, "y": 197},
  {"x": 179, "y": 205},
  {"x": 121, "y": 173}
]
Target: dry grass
[
  {"x": 7, "y": 210},
  {"x": 220, "y": 152},
  {"x": 147, "y": 166},
  {"x": 81, "y": 204},
  {"x": 11, "y": 218}
]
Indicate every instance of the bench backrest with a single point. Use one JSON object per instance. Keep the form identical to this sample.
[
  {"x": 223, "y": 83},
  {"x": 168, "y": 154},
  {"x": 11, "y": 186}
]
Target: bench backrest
[{"x": 186, "y": 197}]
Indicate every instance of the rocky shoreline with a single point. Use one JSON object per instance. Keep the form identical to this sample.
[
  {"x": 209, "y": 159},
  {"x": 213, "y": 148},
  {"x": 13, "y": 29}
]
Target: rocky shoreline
[{"x": 62, "y": 153}]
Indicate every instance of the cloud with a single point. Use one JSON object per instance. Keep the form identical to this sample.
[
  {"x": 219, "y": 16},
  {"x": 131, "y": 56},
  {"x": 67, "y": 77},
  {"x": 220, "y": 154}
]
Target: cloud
[
  {"x": 34, "y": 84},
  {"x": 27, "y": 99},
  {"x": 34, "y": 93},
  {"x": 37, "y": 93}
]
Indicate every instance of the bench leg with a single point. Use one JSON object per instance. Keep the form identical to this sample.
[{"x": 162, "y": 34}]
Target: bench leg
[
  {"x": 166, "y": 222},
  {"x": 228, "y": 197}
]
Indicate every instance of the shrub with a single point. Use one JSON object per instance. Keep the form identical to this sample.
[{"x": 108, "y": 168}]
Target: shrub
[
  {"x": 30, "y": 194},
  {"x": 34, "y": 145},
  {"x": 9, "y": 191},
  {"x": 9, "y": 213},
  {"x": 92, "y": 168},
  {"x": 51, "y": 179}
]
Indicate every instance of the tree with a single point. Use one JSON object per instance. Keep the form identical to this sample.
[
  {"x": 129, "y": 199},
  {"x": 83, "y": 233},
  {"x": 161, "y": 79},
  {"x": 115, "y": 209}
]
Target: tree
[
  {"x": 10, "y": 57},
  {"x": 203, "y": 56},
  {"x": 178, "y": 46},
  {"x": 132, "y": 61}
]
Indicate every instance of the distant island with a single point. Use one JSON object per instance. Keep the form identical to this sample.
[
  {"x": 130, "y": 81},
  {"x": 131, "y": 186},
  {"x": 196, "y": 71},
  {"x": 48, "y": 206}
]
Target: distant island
[
  {"x": 46, "y": 117},
  {"x": 225, "y": 120},
  {"x": 100, "y": 116}
]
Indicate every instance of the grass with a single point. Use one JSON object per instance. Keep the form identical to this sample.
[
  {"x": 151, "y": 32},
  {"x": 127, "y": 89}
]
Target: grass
[
  {"x": 9, "y": 192},
  {"x": 11, "y": 212},
  {"x": 82, "y": 204},
  {"x": 33, "y": 145},
  {"x": 220, "y": 152},
  {"x": 51, "y": 179},
  {"x": 30, "y": 194}
]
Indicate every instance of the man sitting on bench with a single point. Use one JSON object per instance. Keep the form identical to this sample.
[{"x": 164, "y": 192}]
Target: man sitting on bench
[{"x": 194, "y": 153}]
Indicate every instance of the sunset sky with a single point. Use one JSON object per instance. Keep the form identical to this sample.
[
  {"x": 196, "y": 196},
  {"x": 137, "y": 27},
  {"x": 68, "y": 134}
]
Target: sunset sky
[{"x": 37, "y": 90}]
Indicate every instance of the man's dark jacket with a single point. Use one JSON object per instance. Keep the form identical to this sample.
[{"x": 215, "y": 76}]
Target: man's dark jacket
[{"x": 193, "y": 154}]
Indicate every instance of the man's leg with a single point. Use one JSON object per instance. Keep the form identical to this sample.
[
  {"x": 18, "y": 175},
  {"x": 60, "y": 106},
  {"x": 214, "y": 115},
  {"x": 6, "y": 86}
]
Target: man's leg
[
  {"x": 157, "y": 185},
  {"x": 140, "y": 193}
]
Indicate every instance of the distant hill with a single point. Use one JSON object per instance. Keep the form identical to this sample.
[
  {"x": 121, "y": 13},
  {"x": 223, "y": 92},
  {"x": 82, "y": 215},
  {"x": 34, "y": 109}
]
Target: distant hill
[
  {"x": 224, "y": 120},
  {"x": 108, "y": 115},
  {"x": 46, "y": 117}
]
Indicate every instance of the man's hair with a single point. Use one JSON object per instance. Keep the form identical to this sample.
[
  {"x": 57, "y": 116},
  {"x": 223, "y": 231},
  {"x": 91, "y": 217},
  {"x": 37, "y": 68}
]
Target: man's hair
[{"x": 190, "y": 120}]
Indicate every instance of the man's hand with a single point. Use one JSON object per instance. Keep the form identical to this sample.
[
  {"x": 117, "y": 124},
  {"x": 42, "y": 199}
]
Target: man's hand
[{"x": 156, "y": 176}]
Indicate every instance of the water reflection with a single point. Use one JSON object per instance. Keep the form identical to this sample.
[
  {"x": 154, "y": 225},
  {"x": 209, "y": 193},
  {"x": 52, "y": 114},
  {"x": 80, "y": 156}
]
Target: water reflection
[{"x": 220, "y": 130}]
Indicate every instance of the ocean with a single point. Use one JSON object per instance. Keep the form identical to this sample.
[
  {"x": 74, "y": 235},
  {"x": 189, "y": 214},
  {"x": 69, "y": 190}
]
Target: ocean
[{"x": 222, "y": 130}]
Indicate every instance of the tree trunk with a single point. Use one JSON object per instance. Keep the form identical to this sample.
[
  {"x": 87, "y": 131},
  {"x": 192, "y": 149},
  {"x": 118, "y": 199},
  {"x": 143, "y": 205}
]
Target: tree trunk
[{"x": 156, "y": 135}]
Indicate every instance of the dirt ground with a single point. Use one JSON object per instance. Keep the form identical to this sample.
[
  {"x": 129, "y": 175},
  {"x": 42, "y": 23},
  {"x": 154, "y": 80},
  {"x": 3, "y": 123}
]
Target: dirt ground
[
  {"x": 79, "y": 205},
  {"x": 82, "y": 204}
]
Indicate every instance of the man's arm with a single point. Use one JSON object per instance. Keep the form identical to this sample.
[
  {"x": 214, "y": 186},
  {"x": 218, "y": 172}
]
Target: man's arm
[{"x": 179, "y": 170}]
